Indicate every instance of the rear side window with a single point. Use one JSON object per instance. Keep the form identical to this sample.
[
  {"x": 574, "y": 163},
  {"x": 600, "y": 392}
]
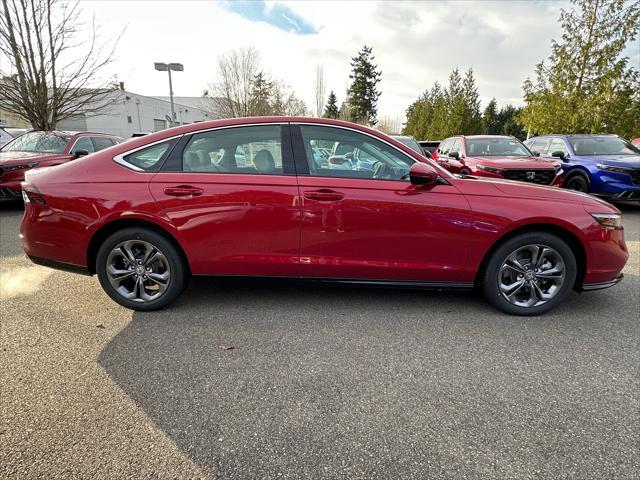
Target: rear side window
[
  {"x": 250, "y": 150},
  {"x": 102, "y": 142},
  {"x": 150, "y": 158}
]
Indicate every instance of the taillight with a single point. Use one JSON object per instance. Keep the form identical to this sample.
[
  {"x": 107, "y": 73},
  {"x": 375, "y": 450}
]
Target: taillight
[{"x": 30, "y": 194}]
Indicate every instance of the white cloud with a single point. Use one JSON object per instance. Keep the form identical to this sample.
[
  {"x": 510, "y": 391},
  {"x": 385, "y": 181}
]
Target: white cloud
[{"x": 415, "y": 44}]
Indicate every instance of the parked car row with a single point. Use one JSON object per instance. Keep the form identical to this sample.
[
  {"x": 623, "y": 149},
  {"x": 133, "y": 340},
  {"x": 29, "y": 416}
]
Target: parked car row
[
  {"x": 603, "y": 165},
  {"x": 264, "y": 197},
  {"x": 44, "y": 149}
]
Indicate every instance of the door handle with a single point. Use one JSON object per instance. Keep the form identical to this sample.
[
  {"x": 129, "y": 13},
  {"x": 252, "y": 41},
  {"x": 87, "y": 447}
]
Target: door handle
[
  {"x": 183, "y": 191},
  {"x": 324, "y": 195}
]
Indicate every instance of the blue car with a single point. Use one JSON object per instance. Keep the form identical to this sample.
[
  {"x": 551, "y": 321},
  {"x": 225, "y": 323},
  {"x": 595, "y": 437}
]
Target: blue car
[{"x": 604, "y": 165}]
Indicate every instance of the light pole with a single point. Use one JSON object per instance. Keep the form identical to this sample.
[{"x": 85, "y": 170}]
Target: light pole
[{"x": 176, "y": 67}]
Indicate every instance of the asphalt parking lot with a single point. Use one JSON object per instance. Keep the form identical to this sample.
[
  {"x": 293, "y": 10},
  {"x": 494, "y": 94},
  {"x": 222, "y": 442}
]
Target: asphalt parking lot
[{"x": 323, "y": 382}]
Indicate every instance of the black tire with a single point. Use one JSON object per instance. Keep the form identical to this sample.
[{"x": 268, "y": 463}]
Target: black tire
[
  {"x": 177, "y": 268},
  {"x": 577, "y": 182},
  {"x": 490, "y": 277},
  {"x": 464, "y": 171}
]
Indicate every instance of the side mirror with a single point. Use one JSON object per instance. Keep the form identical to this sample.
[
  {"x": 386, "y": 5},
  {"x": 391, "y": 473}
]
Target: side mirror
[
  {"x": 535, "y": 154},
  {"x": 455, "y": 155},
  {"x": 422, "y": 174},
  {"x": 79, "y": 153},
  {"x": 559, "y": 155}
]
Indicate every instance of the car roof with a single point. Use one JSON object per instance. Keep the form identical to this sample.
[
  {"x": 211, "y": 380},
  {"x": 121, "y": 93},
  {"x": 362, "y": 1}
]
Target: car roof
[
  {"x": 477, "y": 137},
  {"x": 576, "y": 135}
]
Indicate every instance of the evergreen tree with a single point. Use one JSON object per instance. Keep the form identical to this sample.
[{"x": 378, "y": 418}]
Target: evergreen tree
[
  {"x": 472, "y": 119},
  {"x": 586, "y": 85},
  {"x": 509, "y": 122},
  {"x": 261, "y": 92},
  {"x": 331, "y": 109},
  {"x": 363, "y": 94},
  {"x": 490, "y": 124}
]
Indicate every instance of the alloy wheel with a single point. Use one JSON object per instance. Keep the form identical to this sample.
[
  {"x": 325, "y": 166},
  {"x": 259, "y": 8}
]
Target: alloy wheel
[
  {"x": 138, "y": 271},
  {"x": 531, "y": 276}
]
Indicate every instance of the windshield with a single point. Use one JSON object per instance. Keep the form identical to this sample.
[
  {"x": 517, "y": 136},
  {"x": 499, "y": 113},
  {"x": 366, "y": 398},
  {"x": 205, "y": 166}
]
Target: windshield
[
  {"x": 411, "y": 143},
  {"x": 38, "y": 142},
  {"x": 496, "y": 147},
  {"x": 591, "y": 146}
]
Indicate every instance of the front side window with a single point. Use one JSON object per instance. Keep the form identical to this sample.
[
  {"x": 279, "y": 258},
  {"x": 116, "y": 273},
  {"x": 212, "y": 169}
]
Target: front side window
[
  {"x": 446, "y": 146},
  {"x": 496, "y": 147},
  {"x": 249, "y": 150},
  {"x": 592, "y": 146},
  {"x": 457, "y": 146},
  {"x": 38, "y": 142},
  {"x": 83, "y": 143},
  {"x": 539, "y": 145},
  {"x": 557, "y": 145},
  {"x": 353, "y": 155}
]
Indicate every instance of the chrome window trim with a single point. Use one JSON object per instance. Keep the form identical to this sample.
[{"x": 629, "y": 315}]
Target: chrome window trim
[{"x": 119, "y": 159}]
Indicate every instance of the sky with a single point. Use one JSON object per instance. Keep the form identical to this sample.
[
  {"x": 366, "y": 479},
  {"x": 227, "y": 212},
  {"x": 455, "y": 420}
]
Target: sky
[{"x": 414, "y": 43}]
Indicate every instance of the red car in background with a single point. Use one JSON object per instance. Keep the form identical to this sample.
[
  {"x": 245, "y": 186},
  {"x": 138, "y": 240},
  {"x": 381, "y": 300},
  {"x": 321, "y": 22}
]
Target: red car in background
[
  {"x": 244, "y": 197},
  {"x": 497, "y": 156},
  {"x": 44, "y": 149},
  {"x": 636, "y": 142}
]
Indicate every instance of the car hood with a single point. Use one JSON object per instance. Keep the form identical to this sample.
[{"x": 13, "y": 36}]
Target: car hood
[
  {"x": 624, "y": 161},
  {"x": 16, "y": 158},
  {"x": 515, "y": 189},
  {"x": 516, "y": 162}
]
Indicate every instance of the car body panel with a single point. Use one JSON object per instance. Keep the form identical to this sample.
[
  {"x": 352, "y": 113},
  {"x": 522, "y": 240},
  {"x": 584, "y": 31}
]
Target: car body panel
[
  {"x": 380, "y": 230},
  {"x": 371, "y": 231}
]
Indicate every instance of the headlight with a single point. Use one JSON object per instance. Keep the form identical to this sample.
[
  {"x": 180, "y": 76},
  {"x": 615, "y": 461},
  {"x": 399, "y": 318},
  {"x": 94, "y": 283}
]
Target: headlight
[
  {"x": 610, "y": 168},
  {"x": 489, "y": 169},
  {"x": 608, "y": 219},
  {"x": 23, "y": 166}
]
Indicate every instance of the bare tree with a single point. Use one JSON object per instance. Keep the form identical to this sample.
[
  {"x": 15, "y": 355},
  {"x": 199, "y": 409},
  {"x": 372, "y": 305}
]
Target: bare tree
[
  {"x": 320, "y": 90},
  {"x": 236, "y": 72},
  {"x": 47, "y": 72},
  {"x": 390, "y": 125}
]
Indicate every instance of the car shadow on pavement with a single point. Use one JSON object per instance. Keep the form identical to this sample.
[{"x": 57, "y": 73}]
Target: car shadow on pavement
[{"x": 253, "y": 381}]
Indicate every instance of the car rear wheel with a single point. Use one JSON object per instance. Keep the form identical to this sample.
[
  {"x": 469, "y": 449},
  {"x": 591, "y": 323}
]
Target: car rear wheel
[
  {"x": 578, "y": 183},
  {"x": 140, "y": 269},
  {"x": 529, "y": 274}
]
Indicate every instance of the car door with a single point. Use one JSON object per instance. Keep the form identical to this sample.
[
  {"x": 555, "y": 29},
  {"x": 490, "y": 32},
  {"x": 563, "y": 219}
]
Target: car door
[
  {"x": 374, "y": 224},
  {"x": 233, "y": 196}
]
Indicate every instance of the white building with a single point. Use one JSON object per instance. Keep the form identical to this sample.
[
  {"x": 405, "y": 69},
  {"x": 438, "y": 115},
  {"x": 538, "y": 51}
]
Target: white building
[{"x": 131, "y": 113}]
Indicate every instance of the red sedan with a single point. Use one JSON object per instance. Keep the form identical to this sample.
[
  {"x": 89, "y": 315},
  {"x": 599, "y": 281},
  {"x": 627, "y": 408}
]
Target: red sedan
[
  {"x": 244, "y": 197},
  {"x": 497, "y": 156},
  {"x": 44, "y": 149}
]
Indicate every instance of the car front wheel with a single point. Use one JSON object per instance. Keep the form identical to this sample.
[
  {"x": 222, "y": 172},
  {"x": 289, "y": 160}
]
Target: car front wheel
[
  {"x": 530, "y": 274},
  {"x": 140, "y": 269}
]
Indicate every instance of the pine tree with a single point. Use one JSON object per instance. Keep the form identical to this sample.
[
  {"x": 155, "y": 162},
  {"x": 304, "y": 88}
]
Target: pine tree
[
  {"x": 363, "y": 94},
  {"x": 331, "y": 109},
  {"x": 472, "y": 119},
  {"x": 261, "y": 92},
  {"x": 490, "y": 124},
  {"x": 586, "y": 85}
]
